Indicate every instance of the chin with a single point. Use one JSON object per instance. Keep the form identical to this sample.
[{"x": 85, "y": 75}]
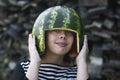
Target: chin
[{"x": 61, "y": 52}]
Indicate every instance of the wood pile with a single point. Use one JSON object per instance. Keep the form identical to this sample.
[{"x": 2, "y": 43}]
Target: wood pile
[
  {"x": 101, "y": 19},
  {"x": 103, "y": 30}
]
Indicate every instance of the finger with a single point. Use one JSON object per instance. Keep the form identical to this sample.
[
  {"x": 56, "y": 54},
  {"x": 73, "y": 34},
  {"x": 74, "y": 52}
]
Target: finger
[
  {"x": 85, "y": 42},
  {"x": 29, "y": 39},
  {"x": 85, "y": 45},
  {"x": 33, "y": 38}
]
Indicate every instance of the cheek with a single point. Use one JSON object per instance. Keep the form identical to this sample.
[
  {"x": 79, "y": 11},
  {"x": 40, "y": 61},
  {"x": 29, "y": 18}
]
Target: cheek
[
  {"x": 50, "y": 39},
  {"x": 70, "y": 41}
]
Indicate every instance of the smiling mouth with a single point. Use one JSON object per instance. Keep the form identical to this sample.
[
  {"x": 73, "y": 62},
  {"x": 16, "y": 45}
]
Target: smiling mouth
[{"x": 61, "y": 44}]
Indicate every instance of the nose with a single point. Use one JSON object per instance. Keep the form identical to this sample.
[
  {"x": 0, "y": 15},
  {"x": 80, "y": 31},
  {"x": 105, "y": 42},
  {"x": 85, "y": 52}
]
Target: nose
[{"x": 62, "y": 34}]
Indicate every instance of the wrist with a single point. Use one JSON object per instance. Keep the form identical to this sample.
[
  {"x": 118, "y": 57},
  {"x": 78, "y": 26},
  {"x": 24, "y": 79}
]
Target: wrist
[
  {"x": 81, "y": 61},
  {"x": 35, "y": 62}
]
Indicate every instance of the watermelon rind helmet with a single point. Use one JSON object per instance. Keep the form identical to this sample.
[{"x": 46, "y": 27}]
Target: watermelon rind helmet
[{"x": 58, "y": 17}]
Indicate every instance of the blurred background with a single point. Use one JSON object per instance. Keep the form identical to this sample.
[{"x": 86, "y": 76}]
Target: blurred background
[{"x": 101, "y": 19}]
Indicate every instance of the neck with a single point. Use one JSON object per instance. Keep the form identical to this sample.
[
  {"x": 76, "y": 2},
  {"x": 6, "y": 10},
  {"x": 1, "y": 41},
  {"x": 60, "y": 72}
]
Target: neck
[{"x": 52, "y": 58}]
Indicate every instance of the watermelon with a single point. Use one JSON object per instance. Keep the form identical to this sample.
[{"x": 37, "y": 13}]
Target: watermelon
[{"x": 58, "y": 17}]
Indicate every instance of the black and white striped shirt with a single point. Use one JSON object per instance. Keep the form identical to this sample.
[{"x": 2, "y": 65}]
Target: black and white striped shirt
[{"x": 53, "y": 71}]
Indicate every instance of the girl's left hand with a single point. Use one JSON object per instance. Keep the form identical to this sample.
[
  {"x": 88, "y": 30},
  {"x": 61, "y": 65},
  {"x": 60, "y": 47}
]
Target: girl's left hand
[
  {"x": 82, "y": 71},
  {"x": 34, "y": 55},
  {"x": 82, "y": 56}
]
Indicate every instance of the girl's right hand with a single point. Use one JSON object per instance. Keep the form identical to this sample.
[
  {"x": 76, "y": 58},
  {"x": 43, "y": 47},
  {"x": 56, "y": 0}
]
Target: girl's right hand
[{"x": 34, "y": 55}]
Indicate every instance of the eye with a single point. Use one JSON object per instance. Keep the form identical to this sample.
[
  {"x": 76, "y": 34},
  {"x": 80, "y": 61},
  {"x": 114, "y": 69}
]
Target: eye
[
  {"x": 54, "y": 31},
  {"x": 69, "y": 33}
]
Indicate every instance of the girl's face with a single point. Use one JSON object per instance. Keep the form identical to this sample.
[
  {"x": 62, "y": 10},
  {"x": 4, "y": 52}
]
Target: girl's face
[{"x": 59, "y": 41}]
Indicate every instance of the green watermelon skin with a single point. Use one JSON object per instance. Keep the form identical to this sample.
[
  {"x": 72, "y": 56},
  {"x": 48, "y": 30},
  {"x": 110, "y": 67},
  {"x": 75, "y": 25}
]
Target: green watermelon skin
[{"x": 58, "y": 17}]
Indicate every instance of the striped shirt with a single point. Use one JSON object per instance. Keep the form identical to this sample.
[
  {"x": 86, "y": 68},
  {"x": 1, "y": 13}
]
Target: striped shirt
[{"x": 53, "y": 71}]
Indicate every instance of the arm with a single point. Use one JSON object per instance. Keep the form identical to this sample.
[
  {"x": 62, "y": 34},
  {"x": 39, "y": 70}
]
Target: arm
[
  {"x": 35, "y": 60},
  {"x": 82, "y": 72}
]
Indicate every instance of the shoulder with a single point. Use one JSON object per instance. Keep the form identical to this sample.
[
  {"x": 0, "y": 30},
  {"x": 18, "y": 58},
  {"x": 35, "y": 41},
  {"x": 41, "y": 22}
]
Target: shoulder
[
  {"x": 24, "y": 63},
  {"x": 19, "y": 72},
  {"x": 21, "y": 63}
]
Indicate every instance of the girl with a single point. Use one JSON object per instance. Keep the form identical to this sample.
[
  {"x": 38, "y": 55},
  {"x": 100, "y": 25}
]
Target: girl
[{"x": 53, "y": 46}]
